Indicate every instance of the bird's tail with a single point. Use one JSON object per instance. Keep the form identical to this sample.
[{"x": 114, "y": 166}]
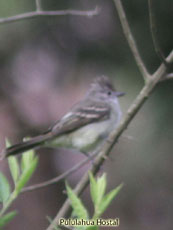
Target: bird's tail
[{"x": 24, "y": 146}]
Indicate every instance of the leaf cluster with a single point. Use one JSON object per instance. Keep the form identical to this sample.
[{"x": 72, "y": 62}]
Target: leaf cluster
[
  {"x": 100, "y": 200},
  {"x": 21, "y": 172}
]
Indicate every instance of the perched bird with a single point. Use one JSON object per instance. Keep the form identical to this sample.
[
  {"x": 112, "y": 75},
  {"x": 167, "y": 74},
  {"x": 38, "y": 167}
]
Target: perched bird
[{"x": 85, "y": 126}]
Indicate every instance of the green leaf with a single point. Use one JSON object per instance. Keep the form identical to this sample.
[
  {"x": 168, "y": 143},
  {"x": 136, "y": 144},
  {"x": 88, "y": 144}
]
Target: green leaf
[
  {"x": 79, "y": 228},
  {"x": 7, "y": 143},
  {"x": 26, "y": 160},
  {"x": 5, "y": 219},
  {"x": 78, "y": 207},
  {"x": 93, "y": 188},
  {"x": 4, "y": 188},
  {"x": 97, "y": 188},
  {"x": 92, "y": 228},
  {"x": 27, "y": 173},
  {"x": 101, "y": 187},
  {"x": 107, "y": 200},
  {"x": 14, "y": 168}
]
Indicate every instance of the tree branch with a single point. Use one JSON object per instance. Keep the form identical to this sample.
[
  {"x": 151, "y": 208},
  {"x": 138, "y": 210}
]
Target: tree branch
[
  {"x": 113, "y": 137},
  {"x": 153, "y": 30},
  {"x": 37, "y": 13},
  {"x": 131, "y": 40},
  {"x": 168, "y": 76},
  {"x": 150, "y": 84},
  {"x": 60, "y": 177},
  {"x": 38, "y": 5}
]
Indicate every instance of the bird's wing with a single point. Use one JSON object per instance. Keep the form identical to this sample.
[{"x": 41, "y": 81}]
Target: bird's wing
[
  {"x": 81, "y": 116},
  {"x": 78, "y": 117}
]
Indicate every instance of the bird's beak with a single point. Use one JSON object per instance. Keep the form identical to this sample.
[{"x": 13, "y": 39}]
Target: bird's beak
[{"x": 119, "y": 94}]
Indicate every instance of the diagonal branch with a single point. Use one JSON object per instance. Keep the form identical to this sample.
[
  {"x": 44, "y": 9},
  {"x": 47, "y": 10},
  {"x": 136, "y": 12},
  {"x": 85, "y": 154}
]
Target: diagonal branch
[
  {"x": 131, "y": 40},
  {"x": 132, "y": 111},
  {"x": 40, "y": 13},
  {"x": 150, "y": 84},
  {"x": 153, "y": 30}
]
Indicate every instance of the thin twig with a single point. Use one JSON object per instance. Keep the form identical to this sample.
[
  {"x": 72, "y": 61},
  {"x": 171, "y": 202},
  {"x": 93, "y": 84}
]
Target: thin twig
[
  {"x": 38, "y": 5},
  {"x": 60, "y": 177},
  {"x": 153, "y": 30},
  {"x": 34, "y": 14},
  {"x": 163, "y": 68},
  {"x": 169, "y": 76},
  {"x": 132, "y": 111},
  {"x": 131, "y": 40}
]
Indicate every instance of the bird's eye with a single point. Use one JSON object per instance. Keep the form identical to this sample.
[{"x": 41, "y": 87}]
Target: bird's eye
[{"x": 109, "y": 93}]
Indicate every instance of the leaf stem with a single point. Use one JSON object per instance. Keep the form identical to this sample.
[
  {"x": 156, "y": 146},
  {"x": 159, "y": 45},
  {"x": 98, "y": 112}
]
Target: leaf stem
[{"x": 9, "y": 202}]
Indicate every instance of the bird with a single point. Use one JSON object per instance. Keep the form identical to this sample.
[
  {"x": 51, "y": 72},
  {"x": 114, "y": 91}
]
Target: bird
[{"x": 84, "y": 127}]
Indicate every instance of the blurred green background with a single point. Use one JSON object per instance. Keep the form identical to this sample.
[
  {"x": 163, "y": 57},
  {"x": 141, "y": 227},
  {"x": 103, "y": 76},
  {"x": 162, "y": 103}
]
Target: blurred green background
[{"x": 47, "y": 64}]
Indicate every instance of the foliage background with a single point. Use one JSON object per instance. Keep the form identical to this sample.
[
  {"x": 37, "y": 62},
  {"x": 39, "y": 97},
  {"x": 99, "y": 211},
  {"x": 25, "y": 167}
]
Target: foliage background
[{"x": 46, "y": 65}]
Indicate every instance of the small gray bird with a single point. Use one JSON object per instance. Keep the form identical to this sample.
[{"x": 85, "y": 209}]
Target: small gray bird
[{"x": 85, "y": 126}]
